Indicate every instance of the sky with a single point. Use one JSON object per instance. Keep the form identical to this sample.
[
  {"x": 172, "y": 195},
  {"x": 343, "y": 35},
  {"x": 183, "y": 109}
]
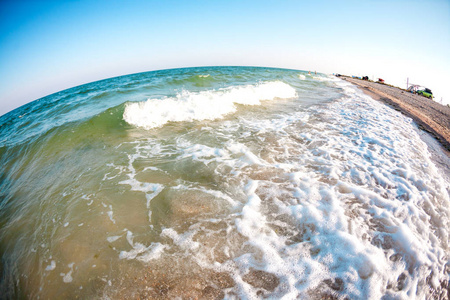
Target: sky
[{"x": 49, "y": 46}]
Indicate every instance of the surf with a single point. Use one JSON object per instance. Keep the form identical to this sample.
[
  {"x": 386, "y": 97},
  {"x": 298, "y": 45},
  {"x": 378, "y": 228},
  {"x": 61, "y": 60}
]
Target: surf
[
  {"x": 261, "y": 183},
  {"x": 205, "y": 105}
]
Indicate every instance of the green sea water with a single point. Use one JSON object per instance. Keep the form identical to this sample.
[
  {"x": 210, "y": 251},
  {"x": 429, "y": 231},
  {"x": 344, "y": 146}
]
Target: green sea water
[{"x": 219, "y": 182}]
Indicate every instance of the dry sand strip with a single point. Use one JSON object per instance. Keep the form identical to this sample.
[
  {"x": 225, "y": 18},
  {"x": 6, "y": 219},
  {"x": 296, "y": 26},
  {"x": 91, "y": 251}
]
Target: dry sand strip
[{"x": 428, "y": 114}]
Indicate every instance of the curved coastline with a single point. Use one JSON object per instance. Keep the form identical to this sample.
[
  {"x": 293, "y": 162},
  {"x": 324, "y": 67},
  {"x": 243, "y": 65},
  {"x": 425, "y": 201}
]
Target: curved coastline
[{"x": 429, "y": 115}]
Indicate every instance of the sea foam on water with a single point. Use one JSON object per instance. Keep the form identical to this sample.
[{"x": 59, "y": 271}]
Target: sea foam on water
[
  {"x": 205, "y": 105},
  {"x": 320, "y": 192}
]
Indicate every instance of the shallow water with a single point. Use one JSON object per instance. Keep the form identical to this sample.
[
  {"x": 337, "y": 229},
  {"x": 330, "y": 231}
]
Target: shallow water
[{"x": 219, "y": 183}]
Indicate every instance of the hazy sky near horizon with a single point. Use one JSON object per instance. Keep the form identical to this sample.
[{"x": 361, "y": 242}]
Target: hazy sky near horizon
[{"x": 48, "y": 46}]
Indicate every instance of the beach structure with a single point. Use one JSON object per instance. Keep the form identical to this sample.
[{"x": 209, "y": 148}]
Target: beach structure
[
  {"x": 413, "y": 88},
  {"x": 420, "y": 90}
]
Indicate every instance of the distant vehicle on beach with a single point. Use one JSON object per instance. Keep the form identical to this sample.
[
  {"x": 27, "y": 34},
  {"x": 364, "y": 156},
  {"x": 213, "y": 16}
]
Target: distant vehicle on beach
[
  {"x": 426, "y": 93},
  {"x": 380, "y": 80}
]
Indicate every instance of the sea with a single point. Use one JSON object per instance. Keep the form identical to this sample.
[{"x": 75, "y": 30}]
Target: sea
[{"x": 220, "y": 183}]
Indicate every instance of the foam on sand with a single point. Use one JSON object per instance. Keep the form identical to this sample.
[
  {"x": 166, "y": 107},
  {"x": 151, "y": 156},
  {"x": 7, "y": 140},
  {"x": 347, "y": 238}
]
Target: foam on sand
[{"x": 338, "y": 206}]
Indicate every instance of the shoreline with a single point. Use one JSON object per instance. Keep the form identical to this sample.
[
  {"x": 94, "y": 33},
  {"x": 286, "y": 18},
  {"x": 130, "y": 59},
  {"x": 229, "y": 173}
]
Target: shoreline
[
  {"x": 432, "y": 118},
  {"x": 429, "y": 115}
]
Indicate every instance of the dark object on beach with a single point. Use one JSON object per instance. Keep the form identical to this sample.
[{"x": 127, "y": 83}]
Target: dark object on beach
[
  {"x": 380, "y": 80},
  {"x": 365, "y": 78},
  {"x": 338, "y": 75},
  {"x": 426, "y": 93}
]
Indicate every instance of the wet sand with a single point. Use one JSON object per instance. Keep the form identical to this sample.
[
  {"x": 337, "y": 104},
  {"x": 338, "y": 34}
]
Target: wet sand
[{"x": 429, "y": 115}]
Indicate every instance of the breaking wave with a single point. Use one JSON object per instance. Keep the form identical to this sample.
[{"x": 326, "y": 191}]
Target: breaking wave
[{"x": 204, "y": 105}]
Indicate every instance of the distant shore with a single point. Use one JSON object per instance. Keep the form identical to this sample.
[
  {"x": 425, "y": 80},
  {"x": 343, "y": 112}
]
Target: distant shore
[{"x": 428, "y": 114}]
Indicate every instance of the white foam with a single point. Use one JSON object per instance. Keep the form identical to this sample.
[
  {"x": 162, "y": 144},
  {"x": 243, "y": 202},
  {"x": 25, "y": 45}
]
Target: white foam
[
  {"x": 205, "y": 105},
  {"x": 347, "y": 194},
  {"x": 234, "y": 154},
  {"x": 51, "y": 267},
  {"x": 110, "y": 214},
  {"x": 323, "y": 78},
  {"x": 246, "y": 156},
  {"x": 141, "y": 252},
  {"x": 360, "y": 199},
  {"x": 67, "y": 277},
  {"x": 113, "y": 238},
  {"x": 184, "y": 241},
  {"x": 151, "y": 190},
  {"x": 155, "y": 251}
]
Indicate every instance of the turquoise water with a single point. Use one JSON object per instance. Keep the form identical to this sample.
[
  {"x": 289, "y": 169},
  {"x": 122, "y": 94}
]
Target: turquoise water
[{"x": 219, "y": 182}]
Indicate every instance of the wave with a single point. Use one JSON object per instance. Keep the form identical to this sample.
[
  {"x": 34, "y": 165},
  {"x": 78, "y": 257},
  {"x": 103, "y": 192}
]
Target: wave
[
  {"x": 205, "y": 105},
  {"x": 196, "y": 80},
  {"x": 322, "y": 78}
]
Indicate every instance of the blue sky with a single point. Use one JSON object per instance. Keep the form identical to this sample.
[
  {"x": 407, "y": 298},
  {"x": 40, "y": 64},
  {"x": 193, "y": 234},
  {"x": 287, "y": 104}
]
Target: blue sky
[{"x": 48, "y": 46}]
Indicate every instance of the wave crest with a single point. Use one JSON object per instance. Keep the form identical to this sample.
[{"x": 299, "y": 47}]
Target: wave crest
[{"x": 205, "y": 105}]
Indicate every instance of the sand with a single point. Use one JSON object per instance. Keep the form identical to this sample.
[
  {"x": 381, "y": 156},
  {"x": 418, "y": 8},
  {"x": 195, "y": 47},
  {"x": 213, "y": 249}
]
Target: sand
[{"x": 428, "y": 114}]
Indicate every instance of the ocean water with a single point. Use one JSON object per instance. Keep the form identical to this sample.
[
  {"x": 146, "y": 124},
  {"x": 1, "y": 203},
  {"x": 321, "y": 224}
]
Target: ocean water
[{"x": 219, "y": 182}]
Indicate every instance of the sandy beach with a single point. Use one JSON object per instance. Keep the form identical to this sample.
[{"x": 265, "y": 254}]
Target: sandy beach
[{"x": 428, "y": 114}]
